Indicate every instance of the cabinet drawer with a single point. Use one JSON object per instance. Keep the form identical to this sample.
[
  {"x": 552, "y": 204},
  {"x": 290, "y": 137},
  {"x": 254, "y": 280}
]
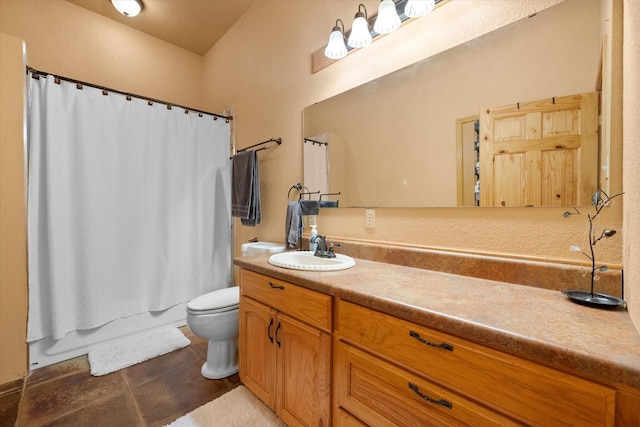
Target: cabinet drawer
[
  {"x": 519, "y": 388},
  {"x": 384, "y": 395},
  {"x": 304, "y": 304}
]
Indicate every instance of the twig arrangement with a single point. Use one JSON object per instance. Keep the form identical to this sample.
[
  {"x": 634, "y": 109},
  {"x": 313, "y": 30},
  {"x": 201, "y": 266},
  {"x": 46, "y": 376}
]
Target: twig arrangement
[{"x": 600, "y": 200}]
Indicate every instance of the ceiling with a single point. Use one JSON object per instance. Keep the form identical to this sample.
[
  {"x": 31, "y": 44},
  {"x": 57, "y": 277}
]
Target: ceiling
[{"x": 195, "y": 25}]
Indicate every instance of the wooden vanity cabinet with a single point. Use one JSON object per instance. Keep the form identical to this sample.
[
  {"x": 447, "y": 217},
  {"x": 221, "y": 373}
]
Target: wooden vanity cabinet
[
  {"x": 382, "y": 394},
  {"x": 389, "y": 371},
  {"x": 374, "y": 369},
  {"x": 285, "y": 348}
]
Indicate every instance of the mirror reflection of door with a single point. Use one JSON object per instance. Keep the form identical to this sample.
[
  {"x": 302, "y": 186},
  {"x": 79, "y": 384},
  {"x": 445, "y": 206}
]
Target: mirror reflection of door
[
  {"x": 467, "y": 161},
  {"x": 540, "y": 153}
]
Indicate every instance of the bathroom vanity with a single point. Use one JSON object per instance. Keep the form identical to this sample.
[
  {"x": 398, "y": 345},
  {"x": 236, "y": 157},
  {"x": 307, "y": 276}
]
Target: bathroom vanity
[
  {"x": 383, "y": 345},
  {"x": 285, "y": 341}
]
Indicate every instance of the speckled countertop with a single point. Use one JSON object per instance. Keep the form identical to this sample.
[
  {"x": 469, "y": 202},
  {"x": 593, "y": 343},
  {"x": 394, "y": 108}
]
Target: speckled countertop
[{"x": 539, "y": 324}]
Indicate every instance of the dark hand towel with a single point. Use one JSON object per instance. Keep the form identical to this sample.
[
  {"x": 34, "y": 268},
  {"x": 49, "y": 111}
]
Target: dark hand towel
[
  {"x": 329, "y": 203},
  {"x": 292, "y": 225},
  {"x": 245, "y": 194},
  {"x": 309, "y": 207}
]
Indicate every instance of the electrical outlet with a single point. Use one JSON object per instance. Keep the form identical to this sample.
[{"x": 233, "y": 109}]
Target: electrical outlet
[{"x": 369, "y": 218}]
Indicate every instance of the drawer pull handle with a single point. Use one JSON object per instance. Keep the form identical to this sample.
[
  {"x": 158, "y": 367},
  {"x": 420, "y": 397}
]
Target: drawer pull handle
[
  {"x": 442, "y": 402},
  {"x": 269, "y": 331},
  {"x": 278, "y": 330},
  {"x": 427, "y": 342},
  {"x": 272, "y": 286}
]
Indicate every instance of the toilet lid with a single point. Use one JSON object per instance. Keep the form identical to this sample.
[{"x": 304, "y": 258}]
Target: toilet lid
[{"x": 222, "y": 298}]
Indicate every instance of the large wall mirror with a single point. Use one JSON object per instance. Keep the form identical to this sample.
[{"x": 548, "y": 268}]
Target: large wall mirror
[{"x": 411, "y": 138}]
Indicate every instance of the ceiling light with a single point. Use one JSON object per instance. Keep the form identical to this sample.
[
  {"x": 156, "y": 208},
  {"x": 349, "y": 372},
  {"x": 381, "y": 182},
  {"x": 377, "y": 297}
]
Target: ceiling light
[
  {"x": 128, "y": 8},
  {"x": 360, "y": 35},
  {"x": 418, "y": 8},
  {"x": 336, "y": 48},
  {"x": 388, "y": 19}
]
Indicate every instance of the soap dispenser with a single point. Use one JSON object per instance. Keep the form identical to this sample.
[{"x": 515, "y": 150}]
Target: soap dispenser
[{"x": 313, "y": 238}]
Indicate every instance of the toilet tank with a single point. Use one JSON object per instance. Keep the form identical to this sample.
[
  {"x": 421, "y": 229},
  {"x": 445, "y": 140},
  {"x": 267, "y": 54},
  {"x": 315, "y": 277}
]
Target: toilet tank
[{"x": 254, "y": 248}]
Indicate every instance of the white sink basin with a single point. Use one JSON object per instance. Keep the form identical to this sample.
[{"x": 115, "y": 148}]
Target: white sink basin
[{"x": 305, "y": 260}]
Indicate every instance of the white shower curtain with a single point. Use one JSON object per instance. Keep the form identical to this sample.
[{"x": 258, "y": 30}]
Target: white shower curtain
[
  {"x": 128, "y": 207},
  {"x": 316, "y": 164}
]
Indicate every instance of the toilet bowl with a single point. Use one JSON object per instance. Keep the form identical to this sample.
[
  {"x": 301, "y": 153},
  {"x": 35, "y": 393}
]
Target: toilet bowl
[{"x": 214, "y": 317}]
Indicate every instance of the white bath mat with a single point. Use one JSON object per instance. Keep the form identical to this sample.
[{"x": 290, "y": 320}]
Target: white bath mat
[
  {"x": 135, "y": 350},
  {"x": 237, "y": 408}
]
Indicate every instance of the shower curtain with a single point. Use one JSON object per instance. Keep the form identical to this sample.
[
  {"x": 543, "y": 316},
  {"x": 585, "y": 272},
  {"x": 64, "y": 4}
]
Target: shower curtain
[
  {"x": 128, "y": 206},
  {"x": 316, "y": 164}
]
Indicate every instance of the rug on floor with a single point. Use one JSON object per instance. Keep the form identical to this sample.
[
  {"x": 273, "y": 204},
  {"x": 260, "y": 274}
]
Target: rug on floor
[
  {"x": 134, "y": 350},
  {"x": 237, "y": 408}
]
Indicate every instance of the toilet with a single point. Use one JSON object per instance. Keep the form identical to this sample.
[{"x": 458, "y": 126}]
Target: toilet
[{"x": 214, "y": 317}]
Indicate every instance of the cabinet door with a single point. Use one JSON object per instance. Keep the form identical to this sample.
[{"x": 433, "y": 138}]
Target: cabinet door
[
  {"x": 304, "y": 373},
  {"x": 257, "y": 350}
]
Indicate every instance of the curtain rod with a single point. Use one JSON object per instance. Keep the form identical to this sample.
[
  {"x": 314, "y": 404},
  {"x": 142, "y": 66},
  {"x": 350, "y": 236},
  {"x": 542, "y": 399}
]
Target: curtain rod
[
  {"x": 277, "y": 140},
  {"x": 315, "y": 142},
  {"x": 242, "y": 150},
  {"x": 150, "y": 101}
]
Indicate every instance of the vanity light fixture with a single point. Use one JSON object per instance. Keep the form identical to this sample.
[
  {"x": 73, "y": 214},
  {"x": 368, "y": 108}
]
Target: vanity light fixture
[
  {"x": 360, "y": 34},
  {"x": 418, "y": 8},
  {"x": 336, "y": 48},
  {"x": 128, "y": 8},
  {"x": 388, "y": 19},
  {"x": 390, "y": 16}
]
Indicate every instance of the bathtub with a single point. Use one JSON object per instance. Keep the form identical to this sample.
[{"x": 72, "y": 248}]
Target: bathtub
[{"x": 48, "y": 351}]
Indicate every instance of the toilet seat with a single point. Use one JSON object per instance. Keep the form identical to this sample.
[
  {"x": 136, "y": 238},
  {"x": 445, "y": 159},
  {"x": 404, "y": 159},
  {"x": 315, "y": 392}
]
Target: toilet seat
[{"x": 215, "y": 302}]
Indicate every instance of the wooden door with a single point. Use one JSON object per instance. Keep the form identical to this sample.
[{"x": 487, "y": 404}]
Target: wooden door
[
  {"x": 540, "y": 153},
  {"x": 258, "y": 350},
  {"x": 304, "y": 374}
]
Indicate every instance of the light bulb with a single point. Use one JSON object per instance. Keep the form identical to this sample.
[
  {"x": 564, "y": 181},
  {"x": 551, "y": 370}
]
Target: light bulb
[
  {"x": 335, "y": 48},
  {"x": 418, "y": 8},
  {"x": 388, "y": 19},
  {"x": 360, "y": 35}
]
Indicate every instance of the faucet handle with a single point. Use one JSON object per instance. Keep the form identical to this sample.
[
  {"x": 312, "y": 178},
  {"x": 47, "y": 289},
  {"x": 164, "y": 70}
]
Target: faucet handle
[{"x": 332, "y": 246}]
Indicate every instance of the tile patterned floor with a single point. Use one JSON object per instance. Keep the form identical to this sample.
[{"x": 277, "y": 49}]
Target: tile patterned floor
[{"x": 153, "y": 393}]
